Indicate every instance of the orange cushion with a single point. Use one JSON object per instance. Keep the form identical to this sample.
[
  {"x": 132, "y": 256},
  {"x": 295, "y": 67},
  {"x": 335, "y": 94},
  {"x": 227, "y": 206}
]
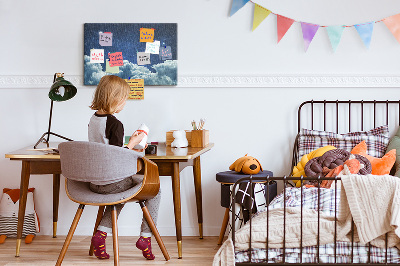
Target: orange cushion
[{"x": 380, "y": 166}]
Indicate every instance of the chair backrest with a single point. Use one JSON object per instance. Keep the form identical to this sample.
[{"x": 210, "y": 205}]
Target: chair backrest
[{"x": 93, "y": 162}]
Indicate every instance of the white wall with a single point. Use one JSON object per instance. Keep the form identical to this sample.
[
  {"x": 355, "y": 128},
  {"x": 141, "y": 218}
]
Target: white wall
[{"x": 40, "y": 38}]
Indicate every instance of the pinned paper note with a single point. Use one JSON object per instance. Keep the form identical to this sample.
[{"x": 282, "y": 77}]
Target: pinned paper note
[
  {"x": 165, "y": 53},
  {"x": 96, "y": 55},
  {"x": 153, "y": 47},
  {"x": 143, "y": 58},
  {"x": 137, "y": 89},
  {"x": 146, "y": 35},
  {"x": 105, "y": 38},
  {"x": 111, "y": 69},
  {"x": 116, "y": 59}
]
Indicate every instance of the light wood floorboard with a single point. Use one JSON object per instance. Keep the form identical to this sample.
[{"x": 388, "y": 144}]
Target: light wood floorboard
[{"x": 44, "y": 250}]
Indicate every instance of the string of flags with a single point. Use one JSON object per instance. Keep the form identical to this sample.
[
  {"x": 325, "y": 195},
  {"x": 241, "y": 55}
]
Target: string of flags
[{"x": 309, "y": 30}]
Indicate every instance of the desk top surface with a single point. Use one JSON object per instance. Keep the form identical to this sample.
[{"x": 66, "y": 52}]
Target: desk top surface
[{"x": 163, "y": 153}]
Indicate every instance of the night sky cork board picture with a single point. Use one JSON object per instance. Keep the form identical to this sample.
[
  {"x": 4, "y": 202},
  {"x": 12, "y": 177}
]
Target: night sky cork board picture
[{"x": 145, "y": 51}]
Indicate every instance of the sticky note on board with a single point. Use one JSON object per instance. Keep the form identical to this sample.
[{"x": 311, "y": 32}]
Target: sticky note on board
[
  {"x": 146, "y": 35},
  {"x": 137, "y": 89},
  {"x": 111, "y": 69},
  {"x": 153, "y": 47},
  {"x": 143, "y": 58},
  {"x": 165, "y": 53},
  {"x": 96, "y": 55},
  {"x": 105, "y": 38},
  {"x": 116, "y": 59}
]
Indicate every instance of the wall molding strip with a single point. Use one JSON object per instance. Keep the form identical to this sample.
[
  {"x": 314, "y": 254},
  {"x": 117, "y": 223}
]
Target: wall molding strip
[{"x": 216, "y": 81}]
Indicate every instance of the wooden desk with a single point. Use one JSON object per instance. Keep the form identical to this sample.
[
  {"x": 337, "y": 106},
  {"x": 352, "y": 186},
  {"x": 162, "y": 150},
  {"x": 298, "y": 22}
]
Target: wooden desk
[{"x": 170, "y": 162}]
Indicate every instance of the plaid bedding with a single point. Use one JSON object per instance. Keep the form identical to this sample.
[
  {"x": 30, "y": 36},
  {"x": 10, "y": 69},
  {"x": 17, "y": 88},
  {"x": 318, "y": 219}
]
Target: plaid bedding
[
  {"x": 310, "y": 199},
  {"x": 326, "y": 252},
  {"x": 377, "y": 140}
]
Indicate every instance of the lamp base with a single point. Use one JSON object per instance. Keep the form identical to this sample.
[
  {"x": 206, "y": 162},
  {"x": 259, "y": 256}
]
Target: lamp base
[{"x": 45, "y": 139}]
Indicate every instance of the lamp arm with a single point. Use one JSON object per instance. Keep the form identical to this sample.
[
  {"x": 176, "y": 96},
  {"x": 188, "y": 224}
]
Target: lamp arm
[
  {"x": 51, "y": 112},
  {"x": 43, "y": 138},
  {"x": 50, "y": 116}
]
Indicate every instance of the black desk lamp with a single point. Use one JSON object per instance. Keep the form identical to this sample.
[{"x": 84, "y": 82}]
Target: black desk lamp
[{"x": 61, "y": 90}]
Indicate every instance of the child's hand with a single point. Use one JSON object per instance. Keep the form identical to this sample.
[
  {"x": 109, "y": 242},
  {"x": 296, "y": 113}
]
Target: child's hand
[
  {"x": 141, "y": 150},
  {"x": 135, "y": 139}
]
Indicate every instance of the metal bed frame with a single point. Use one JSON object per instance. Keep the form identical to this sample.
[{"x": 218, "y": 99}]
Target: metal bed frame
[{"x": 338, "y": 106}]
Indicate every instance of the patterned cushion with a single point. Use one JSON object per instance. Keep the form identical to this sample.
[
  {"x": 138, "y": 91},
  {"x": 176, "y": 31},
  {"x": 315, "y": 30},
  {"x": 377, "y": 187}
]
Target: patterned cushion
[{"x": 377, "y": 139}]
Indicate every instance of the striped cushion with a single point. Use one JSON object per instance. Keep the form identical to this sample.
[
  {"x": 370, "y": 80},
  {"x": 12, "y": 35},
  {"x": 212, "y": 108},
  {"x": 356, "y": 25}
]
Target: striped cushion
[
  {"x": 377, "y": 139},
  {"x": 8, "y": 225}
]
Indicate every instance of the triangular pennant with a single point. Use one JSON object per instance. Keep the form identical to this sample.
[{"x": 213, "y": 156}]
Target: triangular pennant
[
  {"x": 283, "y": 24},
  {"x": 309, "y": 31},
  {"x": 393, "y": 23},
  {"x": 365, "y": 32},
  {"x": 236, "y": 5},
  {"x": 335, "y": 35},
  {"x": 260, "y": 13}
]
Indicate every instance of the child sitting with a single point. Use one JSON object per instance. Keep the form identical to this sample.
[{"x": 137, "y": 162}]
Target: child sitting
[{"x": 110, "y": 98}]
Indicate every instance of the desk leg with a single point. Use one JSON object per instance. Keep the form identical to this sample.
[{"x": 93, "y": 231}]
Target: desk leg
[
  {"x": 56, "y": 199},
  {"x": 176, "y": 190},
  {"x": 197, "y": 187},
  {"x": 25, "y": 175}
]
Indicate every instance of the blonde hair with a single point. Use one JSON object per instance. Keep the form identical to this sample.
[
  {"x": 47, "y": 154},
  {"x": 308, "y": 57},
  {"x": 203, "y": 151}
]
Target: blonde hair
[{"x": 110, "y": 91}]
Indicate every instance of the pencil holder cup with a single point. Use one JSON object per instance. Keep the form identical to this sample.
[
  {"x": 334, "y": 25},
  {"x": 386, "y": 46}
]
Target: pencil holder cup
[{"x": 199, "y": 138}]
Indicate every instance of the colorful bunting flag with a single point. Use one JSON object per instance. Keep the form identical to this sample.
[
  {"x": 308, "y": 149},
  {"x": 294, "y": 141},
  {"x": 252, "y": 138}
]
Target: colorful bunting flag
[
  {"x": 236, "y": 5},
  {"x": 365, "y": 32},
  {"x": 283, "y": 25},
  {"x": 393, "y": 23},
  {"x": 335, "y": 35},
  {"x": 260, "y": 13},
  {"x": 309, "y": 31}
]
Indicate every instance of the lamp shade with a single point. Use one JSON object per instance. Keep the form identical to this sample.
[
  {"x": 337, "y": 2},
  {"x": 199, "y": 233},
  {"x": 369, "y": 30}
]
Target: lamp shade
[{"x": 62, "y": 90}]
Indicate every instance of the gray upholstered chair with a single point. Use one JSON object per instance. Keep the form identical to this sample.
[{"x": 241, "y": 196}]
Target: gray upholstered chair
[{"x": 83, "y": 162}]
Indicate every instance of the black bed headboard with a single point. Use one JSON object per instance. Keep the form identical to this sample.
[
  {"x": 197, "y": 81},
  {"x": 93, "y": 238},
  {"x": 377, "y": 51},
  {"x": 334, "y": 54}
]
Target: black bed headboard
[
  {"x": 365, "y": 111},
  {"x": 346, "y": 116}
]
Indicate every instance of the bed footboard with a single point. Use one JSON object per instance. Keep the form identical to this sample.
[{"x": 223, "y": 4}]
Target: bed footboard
[{"x": 303, "y": 257}]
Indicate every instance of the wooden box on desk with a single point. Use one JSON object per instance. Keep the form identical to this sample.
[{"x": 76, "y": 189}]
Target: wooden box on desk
[
  {"x": 200, "y": 138},
  {"x": 170, "y": 138}
]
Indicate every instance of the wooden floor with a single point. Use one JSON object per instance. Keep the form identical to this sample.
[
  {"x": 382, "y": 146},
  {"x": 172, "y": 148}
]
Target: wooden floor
[{"x": 44, "y": 250}]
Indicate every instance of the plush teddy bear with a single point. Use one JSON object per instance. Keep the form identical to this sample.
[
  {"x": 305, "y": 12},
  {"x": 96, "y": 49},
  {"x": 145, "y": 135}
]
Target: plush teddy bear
[
  {"x": 246, "y": 165},
  {"x": 9, "y": 205},
  {"x": 180, "y": 140}
]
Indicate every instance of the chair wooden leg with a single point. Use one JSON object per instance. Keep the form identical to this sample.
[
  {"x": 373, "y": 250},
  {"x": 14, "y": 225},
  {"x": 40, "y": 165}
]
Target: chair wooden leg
[
  {"x": 98, "y": 220},
  {"x": 223, "y": 227},
  {"x": 70, "y": 234},
  {"x": 115, "y": 235},
  {"x": 154, "y": 230}
]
